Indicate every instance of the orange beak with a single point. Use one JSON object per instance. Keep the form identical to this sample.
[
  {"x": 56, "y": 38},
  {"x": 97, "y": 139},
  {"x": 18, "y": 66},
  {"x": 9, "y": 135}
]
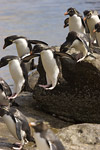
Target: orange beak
[
  {"x": 66, "y": 13},
  {"x": 32, "y": 124},
  {"x": 84, "y": 18},
  {"x": 94, "y": 30}
]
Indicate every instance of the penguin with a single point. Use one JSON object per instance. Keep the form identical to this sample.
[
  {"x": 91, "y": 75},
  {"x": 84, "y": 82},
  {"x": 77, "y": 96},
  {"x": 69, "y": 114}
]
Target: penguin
[
  {"x": 44, "y": 137},
  {"x": 49, "y": 58},
  {"x": 91, "y": 17},
  {"x": 49, "y": 64},
  {"x": 76, "y": 22},
  {"x": 18, "y": 72},
  {"x": 5, "y": 87},
  {"x": 17, "y": 125},
  {"x": 97, "y": 31},
  {"x": 3, "y": 98},
  {"x": 23, "y": 46},
  {"x": 77, "y": 41}
]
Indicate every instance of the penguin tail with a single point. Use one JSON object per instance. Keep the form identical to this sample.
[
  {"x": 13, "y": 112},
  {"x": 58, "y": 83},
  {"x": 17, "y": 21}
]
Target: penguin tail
[{"x": 26, "y": 87}]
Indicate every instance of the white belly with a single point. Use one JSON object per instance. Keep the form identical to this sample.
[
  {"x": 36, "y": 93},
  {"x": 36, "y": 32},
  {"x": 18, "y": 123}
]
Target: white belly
[
  {"x": 91, "y": 24},
  {"x": 22, "y": 47},
  {"x": 17, "y": 75},
  {"x": 40, "y": 142},
  {"x": 15, "y": 70},
  {"x": 79, "y": 47},
  {"x": 10, "y": 124},
  {"x": 75, "y": 24},
  {"x": 49, "y": 64},
  {"x": 98, "y": 37}
]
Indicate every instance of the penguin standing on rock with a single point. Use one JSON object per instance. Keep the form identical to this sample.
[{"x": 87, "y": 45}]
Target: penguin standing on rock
[
  {"x": 18, "y": 72},
  {"x": 17, "y": 125},
  {"x": 49, "y": 64},
  {"x": 76, "y": 22},
  {"x": 77, "y": 41},
  {"x": 44, "y": 137},
  {"x": 97, "y": 31},
  {"x": 91, "y": 17},
  {"x": 23, "y": 45}
]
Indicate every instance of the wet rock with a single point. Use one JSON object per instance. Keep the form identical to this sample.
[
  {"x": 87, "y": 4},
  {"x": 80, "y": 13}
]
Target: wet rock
[
  {"x": 78, "y": 99},
  {"x": 81, "y": 137}
]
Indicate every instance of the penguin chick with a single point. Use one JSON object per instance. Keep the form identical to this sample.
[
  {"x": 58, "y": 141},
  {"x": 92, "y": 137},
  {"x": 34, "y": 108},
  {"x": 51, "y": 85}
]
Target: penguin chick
[
  {"x": 75, "y": 40},
  {"x": 97, "y": 31},
  {"x": 17, "y": 125},
  {"x": 18, "y": 72},
  {"x": 44, "y": 137},
  {"x": 91, "y": 17},
  {"x": 23, "y": 46},
  {"x": 76, "y": 22}
]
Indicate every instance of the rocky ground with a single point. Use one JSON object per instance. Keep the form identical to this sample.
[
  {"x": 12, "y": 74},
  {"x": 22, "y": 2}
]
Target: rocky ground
[
  {"x": 73, "y": 136},
  {"x": 72, "y": 108}
]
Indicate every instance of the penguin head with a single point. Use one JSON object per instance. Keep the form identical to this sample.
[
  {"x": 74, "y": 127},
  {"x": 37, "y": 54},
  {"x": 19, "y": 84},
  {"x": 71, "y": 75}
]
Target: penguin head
[
  {"x": 39, "y": 126},
  {"x": 87, "y": 14},
  {"x": 72, "y": 36},
  {"x": 12, "y": 39},
  {"x": 71, "y": 11},
  {"x": 66, "y": 22},
  {"x": 38, "y": 48},
  {"x": 5, "y": 60},
  {"x": 97, "y": 27}
]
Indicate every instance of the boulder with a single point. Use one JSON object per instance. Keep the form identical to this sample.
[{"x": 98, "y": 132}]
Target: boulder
[
  {"x": 77, "y": 98},
  {"x": 81, "y": 137}
]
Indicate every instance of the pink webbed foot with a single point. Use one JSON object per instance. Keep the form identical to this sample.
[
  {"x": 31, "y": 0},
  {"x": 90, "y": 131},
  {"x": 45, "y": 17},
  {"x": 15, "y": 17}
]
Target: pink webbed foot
[
  {"x": 17, "y": 146},
  {"x": 50, "y": 88},
  {"x": 13, "y": 96},
  {"x": 44, "y": 86}
]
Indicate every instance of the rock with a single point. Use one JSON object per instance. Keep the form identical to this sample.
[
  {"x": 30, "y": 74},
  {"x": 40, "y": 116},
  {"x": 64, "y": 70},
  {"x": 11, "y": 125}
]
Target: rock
[
  {"x": 81, "y": 137},
  {"x": 78, "y": 99}
]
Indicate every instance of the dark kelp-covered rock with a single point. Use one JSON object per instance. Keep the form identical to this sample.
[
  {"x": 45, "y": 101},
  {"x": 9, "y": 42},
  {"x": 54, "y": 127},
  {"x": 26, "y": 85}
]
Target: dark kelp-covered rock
[{"x": 78, "y": 99}]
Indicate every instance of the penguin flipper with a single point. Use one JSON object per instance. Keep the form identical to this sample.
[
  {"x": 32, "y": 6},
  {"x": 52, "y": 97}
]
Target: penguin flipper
[
  {"x": 29, "y": 57},
  {"x": 52, "y": 146},
  {"x": 18, "y": 128},
  {"x": 37, "y": 42}
]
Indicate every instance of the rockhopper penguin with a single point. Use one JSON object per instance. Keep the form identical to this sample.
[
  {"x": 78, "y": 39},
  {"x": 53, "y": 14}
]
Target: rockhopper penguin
[
  {"x": 44, "y": 137},
  {"x": 76, "y": 22},
  {"x": 17, "y": 125},
  {"x": 18, "y": 72},
  {"x": 23, "y": 46}
]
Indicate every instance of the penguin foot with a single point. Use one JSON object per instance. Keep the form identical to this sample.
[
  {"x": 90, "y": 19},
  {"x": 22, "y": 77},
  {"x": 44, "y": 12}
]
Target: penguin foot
[
  {"x": 51, "y": 88},
  {"x": 13, "y": 96},
  {"x": 17, "y": 146},
  {"x": 81, "y": 59},
  {"x": 44, "y": 86}
]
